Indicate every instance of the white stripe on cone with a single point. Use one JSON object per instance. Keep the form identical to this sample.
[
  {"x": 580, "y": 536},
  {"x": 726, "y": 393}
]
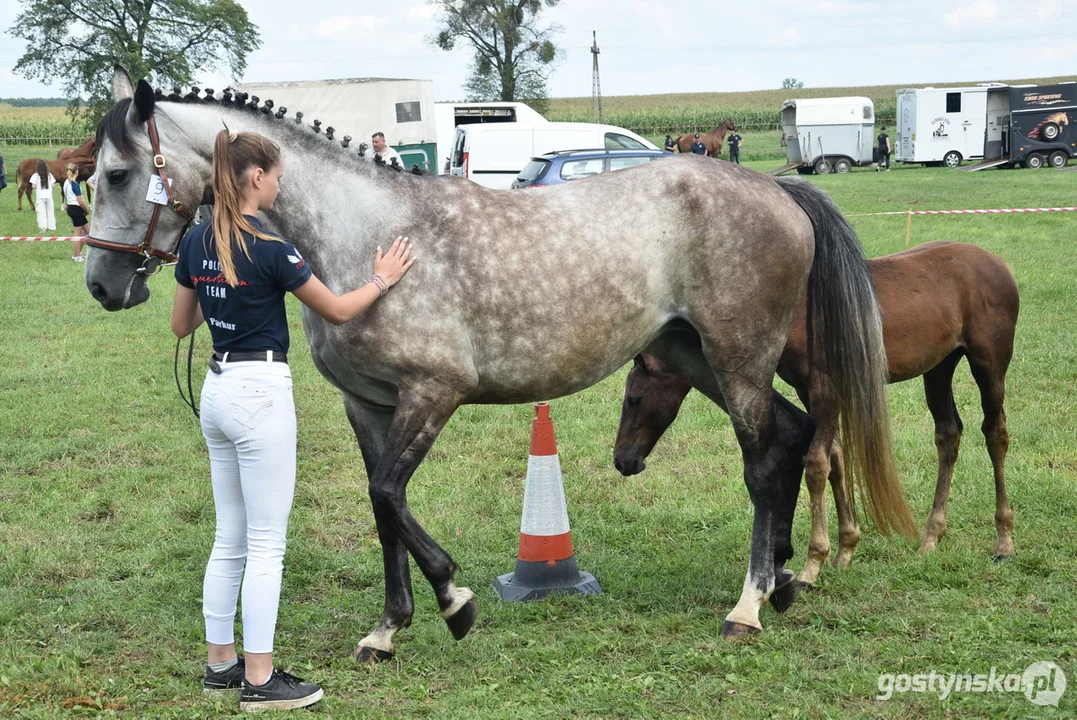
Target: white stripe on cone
[{"x": 545, "y": 510}]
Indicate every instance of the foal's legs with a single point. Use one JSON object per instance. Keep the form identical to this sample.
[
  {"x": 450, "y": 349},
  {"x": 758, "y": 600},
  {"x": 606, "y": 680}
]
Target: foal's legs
[
  {"x": 371, "y": 426},
  {"x": 420, "y": 415},
  {"x": 938, "y": 389},
  {"x": 992, "y": 382}
]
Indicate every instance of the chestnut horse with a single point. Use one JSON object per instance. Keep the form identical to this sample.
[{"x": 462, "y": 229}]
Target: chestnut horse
[
  {"x": 940, "y": 301},
  {"x": 713, "y": 139},
  {"x": 83, "y": 156}
]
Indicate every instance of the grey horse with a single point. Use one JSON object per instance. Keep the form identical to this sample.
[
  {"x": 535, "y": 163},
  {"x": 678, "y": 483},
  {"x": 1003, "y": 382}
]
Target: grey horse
[{"x": 526, "y": 296}]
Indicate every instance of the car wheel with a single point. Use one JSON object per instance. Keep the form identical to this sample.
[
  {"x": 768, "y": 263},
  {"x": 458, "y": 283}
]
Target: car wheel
[
  {"x": 951, "y": 159},
  {"x": 1034, "y": 161},
  {"x": 1059, "y": 159},
  {"x": 1050, "y": 131},
  {"x": 822, "y": 166},
  {"x": 842, "y": 166}
]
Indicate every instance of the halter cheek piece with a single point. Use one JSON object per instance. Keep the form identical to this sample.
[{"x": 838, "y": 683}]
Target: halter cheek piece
[{"x": 146, "y": 248}]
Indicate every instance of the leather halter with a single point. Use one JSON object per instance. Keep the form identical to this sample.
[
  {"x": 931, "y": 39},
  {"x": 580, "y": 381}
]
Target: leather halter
[{"x": 146, "y": 248}]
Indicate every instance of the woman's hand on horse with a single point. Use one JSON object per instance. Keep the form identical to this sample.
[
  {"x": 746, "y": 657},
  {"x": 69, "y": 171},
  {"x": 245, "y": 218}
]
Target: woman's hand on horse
[{"x": 393, "y": 264}]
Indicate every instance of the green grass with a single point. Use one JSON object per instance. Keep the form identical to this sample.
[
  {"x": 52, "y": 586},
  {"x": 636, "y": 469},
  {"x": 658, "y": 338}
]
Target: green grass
[{"x": 106, "y": 520}]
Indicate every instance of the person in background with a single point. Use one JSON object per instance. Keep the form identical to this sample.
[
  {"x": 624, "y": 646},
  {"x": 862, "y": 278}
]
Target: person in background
[
  {"x": 734, "y": 141},
  {"x": 3, "y": 173},
  {"x": 698, "y": 146},
  {"x": 383, "y": 150},
  {"x": 43, "y": 182},
  {"x": 884, "y": 151},
  {"x": 671, "y": 144},
  {"x": 76, "y": 209}
]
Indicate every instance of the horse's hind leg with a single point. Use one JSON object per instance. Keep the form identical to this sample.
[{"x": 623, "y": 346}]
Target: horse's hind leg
[
  {"x": 992, "y": 383},
  {"x": 371, "y": 426},
  {"x": 817, "y": 467},
  {"x": 938, "y": 389},
  {"x": 848, "y": 528}
]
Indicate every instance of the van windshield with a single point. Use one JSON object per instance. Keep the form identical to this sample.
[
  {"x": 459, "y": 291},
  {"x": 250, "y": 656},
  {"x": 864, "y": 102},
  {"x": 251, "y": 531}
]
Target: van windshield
[{"x": 617, "y": 140}]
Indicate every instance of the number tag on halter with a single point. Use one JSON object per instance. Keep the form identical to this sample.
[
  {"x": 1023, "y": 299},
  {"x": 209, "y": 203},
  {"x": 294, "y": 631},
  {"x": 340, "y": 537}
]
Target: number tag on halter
[{"x": 156, "y": 191}]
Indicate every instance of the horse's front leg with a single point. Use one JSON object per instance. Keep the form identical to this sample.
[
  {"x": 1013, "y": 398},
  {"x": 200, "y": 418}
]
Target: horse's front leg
[
  {"x": 421, "y": 413},
  {"x": 371, "y": 424}
]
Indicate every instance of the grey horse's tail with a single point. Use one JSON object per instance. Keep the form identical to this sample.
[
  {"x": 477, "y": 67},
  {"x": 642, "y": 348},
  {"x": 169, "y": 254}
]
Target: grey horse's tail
[{"x": 845, "y": 328}]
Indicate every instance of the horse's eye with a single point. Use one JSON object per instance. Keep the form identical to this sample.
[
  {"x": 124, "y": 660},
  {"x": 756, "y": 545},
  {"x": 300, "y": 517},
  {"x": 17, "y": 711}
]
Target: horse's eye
[
  {"x": 117, "y": 177},
  {"x": 634, "y": 400}
]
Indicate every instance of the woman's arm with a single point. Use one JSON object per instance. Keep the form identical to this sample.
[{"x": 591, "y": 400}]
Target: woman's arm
[
  {"x": 186, "y": 313},
  {"x": 339, "y": 309}
]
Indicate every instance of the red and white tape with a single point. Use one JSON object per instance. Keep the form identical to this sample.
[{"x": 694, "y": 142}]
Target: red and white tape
[
  {"x": 966, "y": 212},
  {"x": 42, "y": 238}
]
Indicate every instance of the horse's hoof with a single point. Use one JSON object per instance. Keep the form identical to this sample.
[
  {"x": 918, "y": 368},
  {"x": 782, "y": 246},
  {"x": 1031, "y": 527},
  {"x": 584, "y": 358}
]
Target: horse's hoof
[
  {"x": 783, "y": 596},
  {"x": 460, "y": 622},
  {"x": 732, "y": 630},
  {"x": 1003, "y": 558},
  {"x": 372, "y": 656}
]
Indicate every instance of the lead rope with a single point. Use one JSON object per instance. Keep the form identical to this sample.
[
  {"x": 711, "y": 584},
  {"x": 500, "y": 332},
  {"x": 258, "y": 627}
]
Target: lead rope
[{"x": 187, "y": 399}]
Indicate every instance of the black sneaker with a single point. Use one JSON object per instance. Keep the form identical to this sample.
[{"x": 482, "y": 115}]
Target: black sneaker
[
  {"x": 230, "y": 679},
  {"x": 281, "y": 692}
]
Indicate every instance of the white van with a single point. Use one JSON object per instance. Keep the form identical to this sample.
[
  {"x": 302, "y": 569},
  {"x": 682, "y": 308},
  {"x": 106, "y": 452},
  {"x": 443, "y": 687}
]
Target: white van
[
  {"x": 941, "y": 125},
  {"x": 493, "y": 155},
  {"x": 450, "y": 115}
]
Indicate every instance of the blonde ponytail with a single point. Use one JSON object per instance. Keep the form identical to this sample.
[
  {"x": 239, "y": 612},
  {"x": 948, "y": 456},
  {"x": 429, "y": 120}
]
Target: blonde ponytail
[{"x": 233, "y": 155}]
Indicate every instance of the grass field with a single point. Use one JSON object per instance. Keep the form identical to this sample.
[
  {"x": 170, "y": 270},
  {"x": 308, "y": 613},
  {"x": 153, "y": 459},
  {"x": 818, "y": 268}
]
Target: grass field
[{"x": 106, "y": 520}]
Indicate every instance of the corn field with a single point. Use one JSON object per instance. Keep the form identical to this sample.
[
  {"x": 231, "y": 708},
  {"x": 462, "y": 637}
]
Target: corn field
[{"x": 39, "y": 126}]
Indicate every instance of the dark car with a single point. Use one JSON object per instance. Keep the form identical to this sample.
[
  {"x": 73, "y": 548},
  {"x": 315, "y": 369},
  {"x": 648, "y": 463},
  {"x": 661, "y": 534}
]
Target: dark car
[{"x": 566, "y": 165}]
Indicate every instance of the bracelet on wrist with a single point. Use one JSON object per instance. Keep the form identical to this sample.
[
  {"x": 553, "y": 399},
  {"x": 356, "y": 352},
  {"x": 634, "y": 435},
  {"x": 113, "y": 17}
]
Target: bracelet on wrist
[{"x": 380, "y": 284}]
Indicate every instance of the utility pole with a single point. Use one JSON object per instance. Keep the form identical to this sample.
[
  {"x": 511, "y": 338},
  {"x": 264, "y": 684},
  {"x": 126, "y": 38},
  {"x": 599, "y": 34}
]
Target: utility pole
[{"x": 596, "y": 85}]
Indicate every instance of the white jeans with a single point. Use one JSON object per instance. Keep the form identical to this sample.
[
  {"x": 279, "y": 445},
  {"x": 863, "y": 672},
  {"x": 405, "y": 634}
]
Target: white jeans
[
  {"x": 46, "y": 212},
  {"x": 248, "y": 420}
]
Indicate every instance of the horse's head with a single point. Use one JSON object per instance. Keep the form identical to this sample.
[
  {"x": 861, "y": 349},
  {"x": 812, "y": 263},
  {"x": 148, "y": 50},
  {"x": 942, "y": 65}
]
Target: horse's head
[
  {"x": 127, "y": 170},
  {"x": 653, "y": 395}
]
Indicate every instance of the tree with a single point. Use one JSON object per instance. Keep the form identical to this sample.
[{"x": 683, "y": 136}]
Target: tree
[
  {"x": 513, "y": 55},
  {"x": 167, "y": 42},
  {"x": 791, "y": 83}
]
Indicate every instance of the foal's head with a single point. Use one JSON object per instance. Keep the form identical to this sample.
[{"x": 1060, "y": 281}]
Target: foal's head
[{"x": 653, "y": 395}]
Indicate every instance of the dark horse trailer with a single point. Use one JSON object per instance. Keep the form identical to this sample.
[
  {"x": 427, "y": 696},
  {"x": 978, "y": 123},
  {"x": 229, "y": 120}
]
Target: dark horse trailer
[{"x": 1031, "y": 126}]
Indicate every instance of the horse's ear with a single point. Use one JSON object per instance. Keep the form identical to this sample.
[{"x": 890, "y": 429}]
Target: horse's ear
[
  {"x": 122, "y": 87},
  {"x": 142, "y": 107},
  {"x": 639, "y": 361}
]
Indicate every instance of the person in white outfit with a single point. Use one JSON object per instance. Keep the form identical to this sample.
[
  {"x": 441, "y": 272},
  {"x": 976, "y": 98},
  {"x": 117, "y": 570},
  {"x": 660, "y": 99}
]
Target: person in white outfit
[
  {"x": 382, "y": 148},
  {"x": 235, "y": 275},
  {"x": 43, "y": 182}
]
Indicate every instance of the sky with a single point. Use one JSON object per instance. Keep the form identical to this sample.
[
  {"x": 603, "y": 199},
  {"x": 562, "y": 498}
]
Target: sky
[{"x": 673, "y": 46}]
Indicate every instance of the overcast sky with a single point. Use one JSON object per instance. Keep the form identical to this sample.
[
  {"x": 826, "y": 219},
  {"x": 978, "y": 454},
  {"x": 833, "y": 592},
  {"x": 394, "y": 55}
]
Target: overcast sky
[{"x": 668, "y": 46}]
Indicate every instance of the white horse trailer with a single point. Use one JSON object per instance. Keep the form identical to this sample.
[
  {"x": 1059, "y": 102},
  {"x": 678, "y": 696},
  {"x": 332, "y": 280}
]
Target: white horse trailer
[
  {"x": 825, "y": 135},
  {"x": 360, "y": 107},
  {"x": 941, "y": 125}
]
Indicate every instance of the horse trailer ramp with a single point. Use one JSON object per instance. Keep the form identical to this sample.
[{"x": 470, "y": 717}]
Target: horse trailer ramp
[
  {"x": 982, "y": 165},
  {"x": 783, "y": 170}
]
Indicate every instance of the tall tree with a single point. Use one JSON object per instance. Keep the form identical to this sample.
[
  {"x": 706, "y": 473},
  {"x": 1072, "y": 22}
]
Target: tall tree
[
  {"x": 513, "y": 53},
  {"x": 167, "y": 42}
]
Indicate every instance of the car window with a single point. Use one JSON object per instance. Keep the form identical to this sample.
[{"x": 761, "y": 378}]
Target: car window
[
  {"x": 576, "y": 169},
  {"x": 533, "y": 170},
  {"x": 616, "y": 141},
  {"x": 620, "y": 163}
]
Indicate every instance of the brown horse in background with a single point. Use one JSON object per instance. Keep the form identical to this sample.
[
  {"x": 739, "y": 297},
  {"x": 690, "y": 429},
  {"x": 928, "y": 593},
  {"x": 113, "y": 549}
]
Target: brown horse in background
[
  {"x": 83, "y": 156},
  {"x": 713, "y": 139},
  {"x": 940, "y": 301}
]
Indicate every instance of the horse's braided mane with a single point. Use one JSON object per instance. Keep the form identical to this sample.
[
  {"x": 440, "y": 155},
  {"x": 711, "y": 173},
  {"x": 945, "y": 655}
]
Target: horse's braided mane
[{"x": 114, "y": 124}]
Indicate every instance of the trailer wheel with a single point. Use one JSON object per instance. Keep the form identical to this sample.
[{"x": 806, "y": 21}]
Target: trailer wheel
[
  {"x": 822, "y": 166},
  {"x": 1051, "y": 131},
  {"x": 1034, "y": 161},
  {"x": 1059, "y": 159},
  {"x": 951, "y": 159},
  {"x": 842, "y": 166}
]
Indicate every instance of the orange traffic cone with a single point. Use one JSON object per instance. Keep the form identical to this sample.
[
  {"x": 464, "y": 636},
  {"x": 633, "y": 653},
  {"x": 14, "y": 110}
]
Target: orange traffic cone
[{"x": 545, "y": 562}]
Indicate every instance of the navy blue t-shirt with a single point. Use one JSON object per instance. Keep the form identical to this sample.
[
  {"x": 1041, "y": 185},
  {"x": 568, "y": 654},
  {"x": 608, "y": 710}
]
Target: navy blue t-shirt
[{"x": 250, "y": 316}]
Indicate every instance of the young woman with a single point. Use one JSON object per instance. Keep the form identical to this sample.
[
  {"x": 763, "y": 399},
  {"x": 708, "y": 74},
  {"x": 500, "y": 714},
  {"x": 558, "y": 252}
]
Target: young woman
[
  {"x": 42, "y": 181},
  {"x": 76, "y": 209},
  {"x": 235, "y": 275}
]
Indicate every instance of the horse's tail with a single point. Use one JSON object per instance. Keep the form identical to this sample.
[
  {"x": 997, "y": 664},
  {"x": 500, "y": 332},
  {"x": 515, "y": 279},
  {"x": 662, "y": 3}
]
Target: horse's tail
[{"x": 844, "y": 324}]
